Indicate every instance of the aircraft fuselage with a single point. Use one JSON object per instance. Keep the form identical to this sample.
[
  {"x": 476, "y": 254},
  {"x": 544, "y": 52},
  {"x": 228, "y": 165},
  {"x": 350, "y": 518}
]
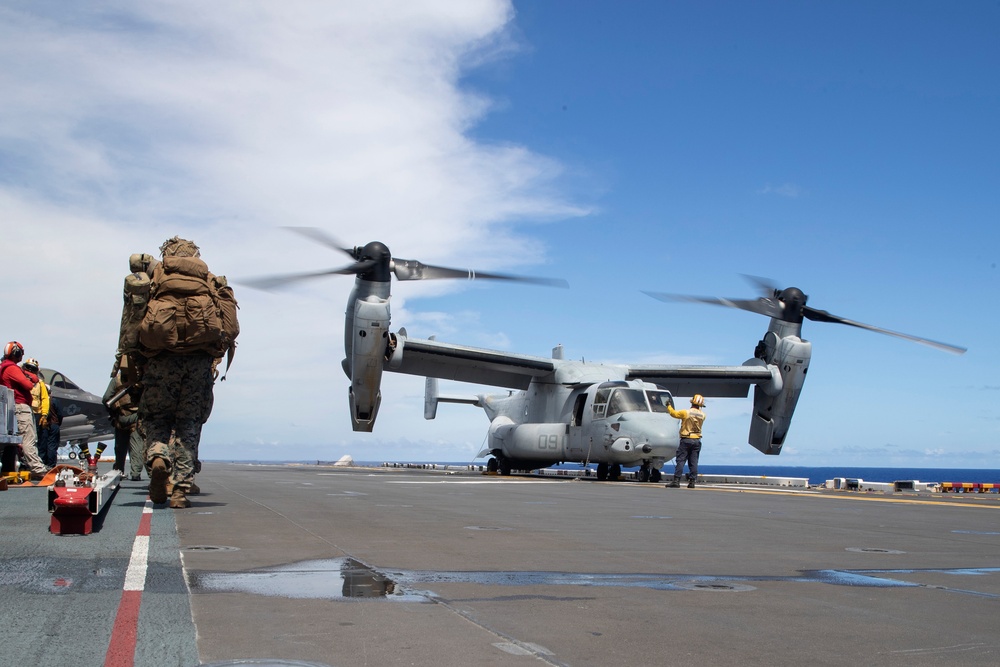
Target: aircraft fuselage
[{"x": 597, "y": 417}]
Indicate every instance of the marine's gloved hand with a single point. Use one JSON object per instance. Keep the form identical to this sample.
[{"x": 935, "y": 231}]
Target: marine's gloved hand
[{"x": 43, "y": 421}]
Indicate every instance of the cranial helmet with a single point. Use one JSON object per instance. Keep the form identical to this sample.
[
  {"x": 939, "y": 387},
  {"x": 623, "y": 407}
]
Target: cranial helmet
[
  {"x": 30, "y": 364},
  {"x": 698, "y": 401},
  {"x": 13, "y": 350},
  {"x": 178, "y": 247}
]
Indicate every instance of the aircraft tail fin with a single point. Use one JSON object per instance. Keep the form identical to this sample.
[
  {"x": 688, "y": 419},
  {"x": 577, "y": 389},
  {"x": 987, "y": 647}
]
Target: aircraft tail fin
[{"x": 432, "y": 398}]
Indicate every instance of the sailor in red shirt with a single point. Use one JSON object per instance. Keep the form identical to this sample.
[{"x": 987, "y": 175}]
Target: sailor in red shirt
[{"x": 13, "y": 377}]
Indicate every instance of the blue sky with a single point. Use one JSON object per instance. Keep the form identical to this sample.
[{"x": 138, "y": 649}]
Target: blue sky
[{"x": 849, "y": 149}]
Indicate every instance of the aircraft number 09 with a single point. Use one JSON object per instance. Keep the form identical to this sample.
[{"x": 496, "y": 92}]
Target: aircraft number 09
[{"x": 549, "y": 441}]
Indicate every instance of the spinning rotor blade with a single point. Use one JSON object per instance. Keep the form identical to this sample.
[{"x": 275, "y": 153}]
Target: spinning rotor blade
[
  {"x": 765, "y": 286},
  {"x": 322, "y": 238},
  {"x": 375, "y": 260},
  {"x": 789, "y": 305},
  {"x": 284, "y": 280},
  {"x": 823, "y": 316},
  {"x": 411, "y": 269},
  {"x": 762, "y": 306}
]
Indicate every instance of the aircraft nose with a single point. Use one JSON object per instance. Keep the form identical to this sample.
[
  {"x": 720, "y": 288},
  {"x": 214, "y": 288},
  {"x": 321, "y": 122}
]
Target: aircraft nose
[{"x": 649, "y": 429}]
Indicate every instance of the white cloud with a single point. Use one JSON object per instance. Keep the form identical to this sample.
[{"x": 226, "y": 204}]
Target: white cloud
[
  {"x": 789, "y": 190},
  {"x": 124, "y": 124}
]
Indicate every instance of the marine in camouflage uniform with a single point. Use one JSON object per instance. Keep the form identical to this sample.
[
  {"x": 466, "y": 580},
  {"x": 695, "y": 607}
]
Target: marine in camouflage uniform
[
  {"x": 176, "y": 401},
  {"x": 124, "y": 415}
]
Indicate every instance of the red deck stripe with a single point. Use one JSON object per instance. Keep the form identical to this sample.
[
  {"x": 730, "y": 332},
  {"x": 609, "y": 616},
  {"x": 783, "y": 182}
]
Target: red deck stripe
[
  {"x": 121, "y": 652},
  {"x": 124, "y": 632}
]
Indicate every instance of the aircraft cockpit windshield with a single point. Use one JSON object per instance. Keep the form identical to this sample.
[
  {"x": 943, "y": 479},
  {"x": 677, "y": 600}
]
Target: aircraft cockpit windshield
[
  {"x": 627, "y": 400},
  {"x": 614, "y": 398},
  {"x": 56, "y": 379},
  {"x": 658, "y": 400}
]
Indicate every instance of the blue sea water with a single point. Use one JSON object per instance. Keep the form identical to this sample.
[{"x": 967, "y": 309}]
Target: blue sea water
[
  {"x": 815, "y": 475},
  {"x": 818, "y": 475}
]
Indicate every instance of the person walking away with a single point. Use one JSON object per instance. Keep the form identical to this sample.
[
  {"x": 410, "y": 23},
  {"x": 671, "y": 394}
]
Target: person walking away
[
  {"x": 690, "y": 446},
  {"x": 179, "y": 375},
  {"x": 124, "y": 416},
  {"x": 13, "y": 377}
]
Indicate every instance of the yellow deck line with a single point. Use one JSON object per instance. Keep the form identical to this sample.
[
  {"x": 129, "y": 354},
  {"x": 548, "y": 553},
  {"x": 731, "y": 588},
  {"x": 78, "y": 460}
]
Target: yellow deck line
[{"x": 911, "y": 501}]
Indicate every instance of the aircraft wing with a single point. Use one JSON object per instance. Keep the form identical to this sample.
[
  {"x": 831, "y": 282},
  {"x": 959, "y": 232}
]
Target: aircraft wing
[
  {"x": 447, "y": 361},
  {"x": 718, "y": 381}
]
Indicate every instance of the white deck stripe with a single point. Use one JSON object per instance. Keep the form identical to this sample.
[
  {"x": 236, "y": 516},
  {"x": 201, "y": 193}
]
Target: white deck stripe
[{"x": 135, "y": 576}]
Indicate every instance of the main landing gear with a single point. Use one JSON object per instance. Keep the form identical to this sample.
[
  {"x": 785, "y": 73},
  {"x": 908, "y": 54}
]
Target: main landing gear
[
  {"x": 611, "y": 472},
  {"x": 499, "y": 464}
]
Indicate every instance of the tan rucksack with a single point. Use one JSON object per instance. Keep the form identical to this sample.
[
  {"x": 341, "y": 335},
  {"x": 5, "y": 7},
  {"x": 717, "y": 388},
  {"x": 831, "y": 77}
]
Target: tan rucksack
[
  {"x": 135, "y": 299},
  {"x": 189, "y": 310}
]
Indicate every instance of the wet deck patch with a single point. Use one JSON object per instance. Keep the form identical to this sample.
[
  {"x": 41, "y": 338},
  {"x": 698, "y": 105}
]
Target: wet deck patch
[
  {"x": 332, "y": 579},
  {"x": 347, "y": 578}
]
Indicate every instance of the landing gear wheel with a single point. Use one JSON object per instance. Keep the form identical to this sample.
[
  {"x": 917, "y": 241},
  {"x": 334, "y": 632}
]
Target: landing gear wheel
[
  {"x": 615, "y": 472},
  {"x": 492, "y": 466},
  {"x": 602, "y": 472},
  {"x": 644, "y": 473},
  {"x": 654, "y": 475},
  {"x": 504, "y": 466}
]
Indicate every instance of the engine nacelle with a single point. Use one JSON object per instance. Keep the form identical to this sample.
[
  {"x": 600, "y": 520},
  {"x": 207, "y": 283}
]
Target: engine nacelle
[
  {"x": 542, "y": 444},
  {"x": 772, "y": 412},
  {"x": 368, "y": 348}
]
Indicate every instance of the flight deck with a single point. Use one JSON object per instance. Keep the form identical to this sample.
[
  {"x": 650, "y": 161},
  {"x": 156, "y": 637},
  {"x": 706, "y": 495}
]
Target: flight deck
[{"x": 285, "y": 564}]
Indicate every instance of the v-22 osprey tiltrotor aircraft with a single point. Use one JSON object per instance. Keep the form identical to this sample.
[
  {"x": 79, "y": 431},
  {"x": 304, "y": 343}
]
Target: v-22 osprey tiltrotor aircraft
[{"x": 559, "y": 410}]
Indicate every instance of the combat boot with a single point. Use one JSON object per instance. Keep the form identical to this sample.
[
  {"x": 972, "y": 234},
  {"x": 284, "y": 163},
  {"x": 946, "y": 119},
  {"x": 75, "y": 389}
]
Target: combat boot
[
  {"x": 178, "y": 499},
  {"x": 158, "y": 475},
  {"x": 194, "y": 490},
  {"x": 691, "y": 483},
  {"x": 675, "y": 483}
]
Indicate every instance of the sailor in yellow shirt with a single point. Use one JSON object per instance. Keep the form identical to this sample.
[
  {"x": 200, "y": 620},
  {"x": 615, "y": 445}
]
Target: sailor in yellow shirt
[
  {"x": 690, "y": 447},
  {"x": 39, "y": 393}
]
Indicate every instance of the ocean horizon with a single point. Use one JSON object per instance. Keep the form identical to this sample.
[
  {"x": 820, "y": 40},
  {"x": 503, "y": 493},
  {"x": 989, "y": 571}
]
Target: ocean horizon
[{"x": 815, "y": 474}]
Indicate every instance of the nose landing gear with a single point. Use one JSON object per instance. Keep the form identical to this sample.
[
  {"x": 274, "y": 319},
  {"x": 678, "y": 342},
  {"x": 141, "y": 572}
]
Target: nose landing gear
[{"x": 648, "y": 473}]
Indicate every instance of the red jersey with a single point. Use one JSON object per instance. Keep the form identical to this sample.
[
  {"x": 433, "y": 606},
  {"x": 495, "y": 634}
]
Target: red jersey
[{"x": 12, "y": 376}]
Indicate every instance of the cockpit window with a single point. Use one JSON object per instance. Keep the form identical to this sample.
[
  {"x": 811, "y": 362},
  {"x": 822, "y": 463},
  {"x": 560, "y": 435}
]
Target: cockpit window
[
  {"x": 658, "y": 400},
  {"x": 56, "y": 379},
  {"x": 627, "y": 400},
  {"x": 601, "y": 403}
]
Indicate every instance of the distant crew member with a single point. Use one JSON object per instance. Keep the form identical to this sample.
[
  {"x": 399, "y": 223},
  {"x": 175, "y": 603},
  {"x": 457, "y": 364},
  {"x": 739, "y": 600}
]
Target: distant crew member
[
  {"x": 39, "y": 393},
  {"x": 690, "y": 447},
  {"x": 124, "y": 415},
  {"x": 48, "y": 437},
  {"x": 13, "y": 377},
  {"x": 41, "y": 409}
]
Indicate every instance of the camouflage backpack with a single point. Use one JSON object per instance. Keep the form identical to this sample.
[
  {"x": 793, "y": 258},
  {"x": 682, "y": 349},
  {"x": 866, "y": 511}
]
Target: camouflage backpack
[
  {"x": 189, "y": 308},
  {"x": 136, "y": 296}
]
